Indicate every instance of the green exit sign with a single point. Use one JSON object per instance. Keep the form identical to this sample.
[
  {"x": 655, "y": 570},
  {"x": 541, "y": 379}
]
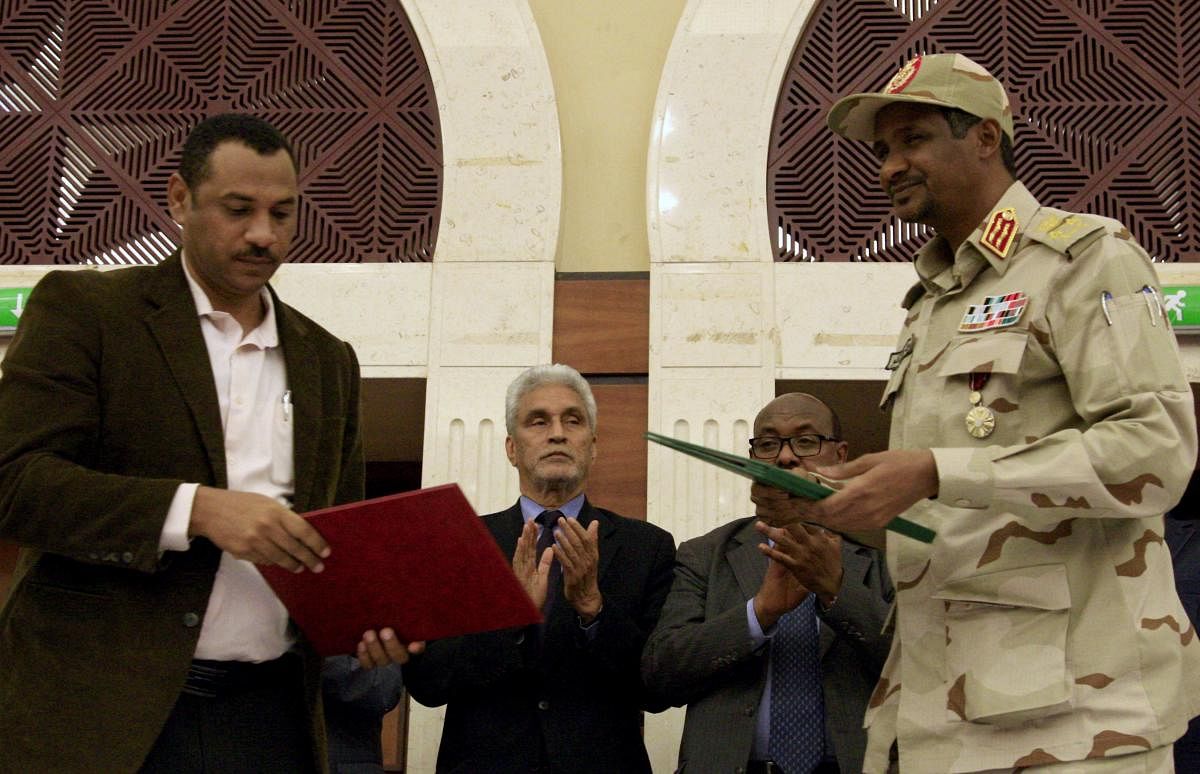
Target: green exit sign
[
  {"x": 1182, "y": 305},
  {"x": 12, "y": 304}
]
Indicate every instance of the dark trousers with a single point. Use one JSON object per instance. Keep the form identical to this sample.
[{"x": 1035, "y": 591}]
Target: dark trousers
[{"x": 251, "y": 719}]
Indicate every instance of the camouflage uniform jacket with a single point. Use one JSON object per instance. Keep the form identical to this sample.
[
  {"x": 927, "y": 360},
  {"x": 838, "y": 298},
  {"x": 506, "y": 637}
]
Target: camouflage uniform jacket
[{"x": 1042, "y": 624}]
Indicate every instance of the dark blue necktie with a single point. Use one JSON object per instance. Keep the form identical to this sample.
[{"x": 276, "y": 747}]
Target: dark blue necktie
[
  {"x": 548, "y": 520},
  {"x": 797, "y": 741}
]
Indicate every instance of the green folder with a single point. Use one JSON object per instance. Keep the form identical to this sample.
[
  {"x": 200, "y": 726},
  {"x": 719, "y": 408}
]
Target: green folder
[{"x": 780, "y": 479}]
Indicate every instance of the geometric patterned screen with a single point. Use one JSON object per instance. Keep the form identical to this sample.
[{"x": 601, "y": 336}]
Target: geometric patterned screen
[
  {"x": 1106, "y": 99},
  {"x": 97, "y": 97}
]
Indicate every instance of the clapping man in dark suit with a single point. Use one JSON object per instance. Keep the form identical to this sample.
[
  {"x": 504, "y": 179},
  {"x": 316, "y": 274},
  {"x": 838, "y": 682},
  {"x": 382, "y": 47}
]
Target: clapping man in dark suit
[
  {"x": 566, "y": 696},
  {"x": 160, "y": 428},
  {"x": 772, "y": 630}
]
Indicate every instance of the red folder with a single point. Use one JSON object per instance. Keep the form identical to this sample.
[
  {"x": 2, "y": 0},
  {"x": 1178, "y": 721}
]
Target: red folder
[{"x": 419, "y": 562}]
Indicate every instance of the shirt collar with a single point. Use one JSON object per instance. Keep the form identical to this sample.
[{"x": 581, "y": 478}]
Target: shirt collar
[
  {"x": 939, "y": 275},
  {"x": 530, "y": 509},
  {"x": 266, "y": 335}
]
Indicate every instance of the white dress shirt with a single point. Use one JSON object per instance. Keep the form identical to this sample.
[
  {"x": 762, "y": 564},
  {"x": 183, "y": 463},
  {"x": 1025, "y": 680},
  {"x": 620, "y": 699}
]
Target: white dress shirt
[{"x": 245, "y": 621}]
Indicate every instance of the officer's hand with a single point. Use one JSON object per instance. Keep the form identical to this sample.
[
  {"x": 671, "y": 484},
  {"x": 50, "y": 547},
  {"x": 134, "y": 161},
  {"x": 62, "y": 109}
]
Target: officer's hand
[
  {"x": 377, "y": 649},
  {"x": 775, "y": 506},
  {"x": 878, "y": 487},
  {"x": 256, "y": 528}
]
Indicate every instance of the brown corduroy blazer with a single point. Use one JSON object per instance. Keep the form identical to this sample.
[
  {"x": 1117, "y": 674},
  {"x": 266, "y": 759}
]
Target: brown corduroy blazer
[{"x": 107, "y": 405}]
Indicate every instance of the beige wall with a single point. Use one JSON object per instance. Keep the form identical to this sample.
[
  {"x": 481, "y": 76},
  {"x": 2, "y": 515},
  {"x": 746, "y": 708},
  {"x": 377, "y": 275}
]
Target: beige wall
[{"x": 605, "y": 59}]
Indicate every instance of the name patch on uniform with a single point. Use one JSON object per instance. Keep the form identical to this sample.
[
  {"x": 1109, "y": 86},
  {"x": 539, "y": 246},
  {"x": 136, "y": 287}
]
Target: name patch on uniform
[
  {"x": 994, "y": 312},
  {"x": 1000, "y": 230}
]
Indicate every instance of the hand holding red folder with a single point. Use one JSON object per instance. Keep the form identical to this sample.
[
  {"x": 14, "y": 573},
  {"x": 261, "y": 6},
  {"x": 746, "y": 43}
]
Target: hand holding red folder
[
  {"x": 381, "y": 648},
  {"x": 419, "y": 563}
]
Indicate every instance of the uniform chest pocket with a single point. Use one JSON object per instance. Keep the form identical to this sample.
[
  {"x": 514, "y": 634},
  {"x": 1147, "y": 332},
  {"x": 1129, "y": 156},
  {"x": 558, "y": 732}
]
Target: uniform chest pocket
[
  {"x": 995, "y": 360},
  {"x": 1006, "y": 645}
]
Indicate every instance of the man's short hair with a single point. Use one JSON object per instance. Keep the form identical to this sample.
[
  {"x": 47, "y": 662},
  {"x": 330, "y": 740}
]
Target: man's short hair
[
  {"x": 960, "y": 121},
  {"x": 251, "y": 131},
  {"x": 835, "y": 422},
  {"x": 540, "y": 376}
]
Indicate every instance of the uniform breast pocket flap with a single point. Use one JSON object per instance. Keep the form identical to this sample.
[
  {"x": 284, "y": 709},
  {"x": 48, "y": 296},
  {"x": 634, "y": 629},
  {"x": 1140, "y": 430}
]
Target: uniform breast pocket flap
[
  {"x": 1006, "y": 645},
  {"x": 1000, "y": 352}
]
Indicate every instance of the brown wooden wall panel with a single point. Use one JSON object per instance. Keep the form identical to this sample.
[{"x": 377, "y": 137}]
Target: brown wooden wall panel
[
  {"x": 602, "y": 323},
  {"x": 602, "y": 329},
  {"x": 618, "y": 478},
  {"x": 394, "y": 737},
  {"x": 856, "y": 403}
]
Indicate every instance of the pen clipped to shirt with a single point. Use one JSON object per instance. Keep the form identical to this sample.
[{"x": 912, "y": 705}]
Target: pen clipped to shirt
[{"x": 286, "y": 400}]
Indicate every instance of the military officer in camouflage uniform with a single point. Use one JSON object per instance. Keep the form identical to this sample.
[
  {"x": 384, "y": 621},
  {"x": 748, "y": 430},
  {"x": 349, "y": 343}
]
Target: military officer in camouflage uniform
[{"x": 1041, "y": 426}]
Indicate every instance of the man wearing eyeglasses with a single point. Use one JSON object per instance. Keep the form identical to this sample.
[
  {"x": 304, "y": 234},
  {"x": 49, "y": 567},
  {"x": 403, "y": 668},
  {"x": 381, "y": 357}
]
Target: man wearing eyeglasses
[{"x": 771, "y": 634}]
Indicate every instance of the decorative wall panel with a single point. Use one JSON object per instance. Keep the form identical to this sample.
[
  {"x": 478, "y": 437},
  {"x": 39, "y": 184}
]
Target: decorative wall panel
[
  {"x": 1106, "y": 98},
  {"x": 96, "y": 98},
  {"x": 464, "y": 436},
  {"x": 714, "y": 407}
]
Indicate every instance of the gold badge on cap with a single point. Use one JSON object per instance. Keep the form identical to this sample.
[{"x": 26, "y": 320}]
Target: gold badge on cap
[
  {"x": 903, "y": 76},
  {"x": 1000, "y": 231}
]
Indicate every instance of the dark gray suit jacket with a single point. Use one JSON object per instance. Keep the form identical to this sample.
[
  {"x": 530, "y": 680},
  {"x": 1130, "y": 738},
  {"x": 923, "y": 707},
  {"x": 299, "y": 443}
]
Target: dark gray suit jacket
[
  {"x": 1183, "y": 538},
  {"x": 355, "y": 701},
  {"x": 513, "y": 696},
  {"x": 107, "y": 405},
  {"x": 701, "y": 653}
]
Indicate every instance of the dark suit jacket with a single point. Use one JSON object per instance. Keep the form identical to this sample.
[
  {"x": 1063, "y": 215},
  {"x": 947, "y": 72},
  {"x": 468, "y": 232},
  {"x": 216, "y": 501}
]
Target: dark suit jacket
[
  {"x": 579, "y": 699},
  {"x": 107, "y": 405},
  {"x": 1183, "y": 538},
  {"x": 355, "y": 701},
  {"x": 701, "y": 653}
]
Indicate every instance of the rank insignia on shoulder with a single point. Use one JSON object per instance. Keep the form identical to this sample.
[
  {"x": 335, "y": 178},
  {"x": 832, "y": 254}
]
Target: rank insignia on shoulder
[
  {"x": 994, "y": 312},
  {"x": 1000, "y": 231}
]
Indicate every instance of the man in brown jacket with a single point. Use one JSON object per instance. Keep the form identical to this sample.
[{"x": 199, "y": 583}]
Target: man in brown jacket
[{"x": 159, "y": 429}]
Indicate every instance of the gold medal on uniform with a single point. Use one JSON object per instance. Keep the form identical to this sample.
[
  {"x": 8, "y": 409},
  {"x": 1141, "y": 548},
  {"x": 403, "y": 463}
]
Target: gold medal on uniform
[{"x": 980, "y": 420}]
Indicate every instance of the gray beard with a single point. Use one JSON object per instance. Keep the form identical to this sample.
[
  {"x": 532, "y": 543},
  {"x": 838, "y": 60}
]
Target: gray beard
[{"x": 557, "y": 484}]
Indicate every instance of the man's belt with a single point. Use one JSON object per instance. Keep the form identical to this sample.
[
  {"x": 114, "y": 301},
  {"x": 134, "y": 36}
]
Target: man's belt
[{"x": 211, "y": 679}]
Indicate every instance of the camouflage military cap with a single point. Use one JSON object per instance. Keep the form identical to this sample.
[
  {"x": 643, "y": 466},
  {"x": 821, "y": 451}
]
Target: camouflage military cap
[{"x": 942, "y": 80}]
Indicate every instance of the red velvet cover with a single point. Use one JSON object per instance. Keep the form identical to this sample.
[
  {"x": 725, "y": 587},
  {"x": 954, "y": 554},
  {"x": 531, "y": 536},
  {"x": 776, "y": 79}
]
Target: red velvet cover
[{"x": 420, "y": 562}]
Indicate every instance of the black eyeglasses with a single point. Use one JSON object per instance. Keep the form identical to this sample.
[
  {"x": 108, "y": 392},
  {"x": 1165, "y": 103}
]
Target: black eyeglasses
[{"x": 768, "y": 447}]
